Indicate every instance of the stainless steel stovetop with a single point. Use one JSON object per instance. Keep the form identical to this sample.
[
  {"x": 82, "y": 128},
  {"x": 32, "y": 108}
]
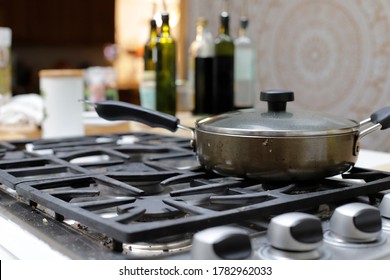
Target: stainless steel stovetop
[{"x": 144, "y": 196}]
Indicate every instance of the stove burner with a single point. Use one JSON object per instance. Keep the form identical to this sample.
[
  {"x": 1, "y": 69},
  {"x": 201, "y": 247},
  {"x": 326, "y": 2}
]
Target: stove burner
[
  {"x": 331, "y": 238},
  {"x": 270, "y": 253},
  {"x": 154, "y": 209},
  {"x": 158, "y": 247}
]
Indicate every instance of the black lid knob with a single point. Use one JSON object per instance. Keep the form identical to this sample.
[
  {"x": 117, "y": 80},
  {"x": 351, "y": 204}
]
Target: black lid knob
[{"x": 277, "y": 99}]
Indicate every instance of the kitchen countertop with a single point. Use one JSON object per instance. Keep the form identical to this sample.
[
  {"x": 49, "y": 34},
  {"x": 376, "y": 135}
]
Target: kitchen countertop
[
  {"x": 94, "y": 126},
  {"x": 33, "y": 132},
  {"x": 374, "y": 160}
]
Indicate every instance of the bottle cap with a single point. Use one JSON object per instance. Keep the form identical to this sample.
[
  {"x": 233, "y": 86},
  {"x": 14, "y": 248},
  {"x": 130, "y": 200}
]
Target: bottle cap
[
  {"x": 153, "y": 23},
  {"x": 244, "y": 21},
  {"x": 224, "y": 17},
  {"x": 202, "y": 21},
  {"x": 165, "y": 16}
]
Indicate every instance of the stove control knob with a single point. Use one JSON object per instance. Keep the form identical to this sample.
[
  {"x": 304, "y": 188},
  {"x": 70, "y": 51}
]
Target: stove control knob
[
  {"x": 221, "y": 243},
  {"x": 356, "y": 222},
  {"x": 295, "y": 231},
  {"x": 384, "y": 207}
]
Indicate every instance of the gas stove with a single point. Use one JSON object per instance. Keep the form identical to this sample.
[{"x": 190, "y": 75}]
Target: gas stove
[{"x": 145, "y": 196}]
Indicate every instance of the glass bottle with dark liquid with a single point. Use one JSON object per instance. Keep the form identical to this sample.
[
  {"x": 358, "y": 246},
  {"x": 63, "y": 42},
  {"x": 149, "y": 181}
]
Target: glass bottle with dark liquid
[
  {"x": 223, "y": 95},
  {"x": 202, "y": 55}
]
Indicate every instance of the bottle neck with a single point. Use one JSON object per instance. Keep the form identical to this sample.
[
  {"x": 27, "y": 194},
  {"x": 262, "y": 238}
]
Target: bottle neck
[
  {"x": 153, "y": 29},
  {"x": 243, "y": 27},
  {"x": 199, "y": 31},
  {"x": 153, "y": 32},
  {"x": 165, "y": 30},
  {"x": 224, "y": 29},
  {"x": 242, "y": 32}
]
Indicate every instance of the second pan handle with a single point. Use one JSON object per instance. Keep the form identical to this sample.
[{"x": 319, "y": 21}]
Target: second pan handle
[{"x": 122, "y": 111}]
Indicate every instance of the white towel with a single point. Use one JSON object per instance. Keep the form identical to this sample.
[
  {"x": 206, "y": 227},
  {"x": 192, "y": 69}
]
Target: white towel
[{"x": 23, "y": 109}]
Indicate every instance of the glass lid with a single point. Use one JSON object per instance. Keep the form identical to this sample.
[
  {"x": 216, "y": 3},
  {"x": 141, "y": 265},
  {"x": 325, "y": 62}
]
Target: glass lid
[{"x": 277, "y": 121}]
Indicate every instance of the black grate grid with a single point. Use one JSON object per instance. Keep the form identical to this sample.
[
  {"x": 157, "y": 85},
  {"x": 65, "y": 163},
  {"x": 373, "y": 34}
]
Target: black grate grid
[
  {"x": 203, "y": 206},
  {"x": 152, "y": 189}
]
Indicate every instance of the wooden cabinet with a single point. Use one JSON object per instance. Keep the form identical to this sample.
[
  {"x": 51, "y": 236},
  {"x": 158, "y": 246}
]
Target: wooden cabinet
[{"x": 59, "y": 22}]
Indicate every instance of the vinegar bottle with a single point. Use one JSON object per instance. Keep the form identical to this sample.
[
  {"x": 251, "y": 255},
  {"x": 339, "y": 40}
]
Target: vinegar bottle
[
  {"x": 202, "y": 55},
  {"x": 166, "y": 69},
  {"x": 223, "y": 94},
  {"x": 244, "y": 68}
]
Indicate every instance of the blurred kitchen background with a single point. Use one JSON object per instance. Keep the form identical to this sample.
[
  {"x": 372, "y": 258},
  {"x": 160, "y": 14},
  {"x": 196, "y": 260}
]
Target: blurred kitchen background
[{"x": 334, "y": 54}]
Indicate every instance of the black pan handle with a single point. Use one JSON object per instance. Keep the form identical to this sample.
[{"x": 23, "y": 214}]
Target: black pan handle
[
  {"x": 122, "y": 111},
  {"x": 380, "y": 120},
  {"x": 382, "y": 116}
]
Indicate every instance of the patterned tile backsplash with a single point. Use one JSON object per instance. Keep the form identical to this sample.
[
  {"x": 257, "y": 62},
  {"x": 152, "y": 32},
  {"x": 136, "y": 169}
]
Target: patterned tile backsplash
[{"x": 334, "y": 54}]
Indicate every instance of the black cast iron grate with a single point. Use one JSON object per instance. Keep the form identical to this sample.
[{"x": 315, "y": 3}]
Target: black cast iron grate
[
  {"x": 199, "y": 207},
  {"x": 154, "y": 188}
]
